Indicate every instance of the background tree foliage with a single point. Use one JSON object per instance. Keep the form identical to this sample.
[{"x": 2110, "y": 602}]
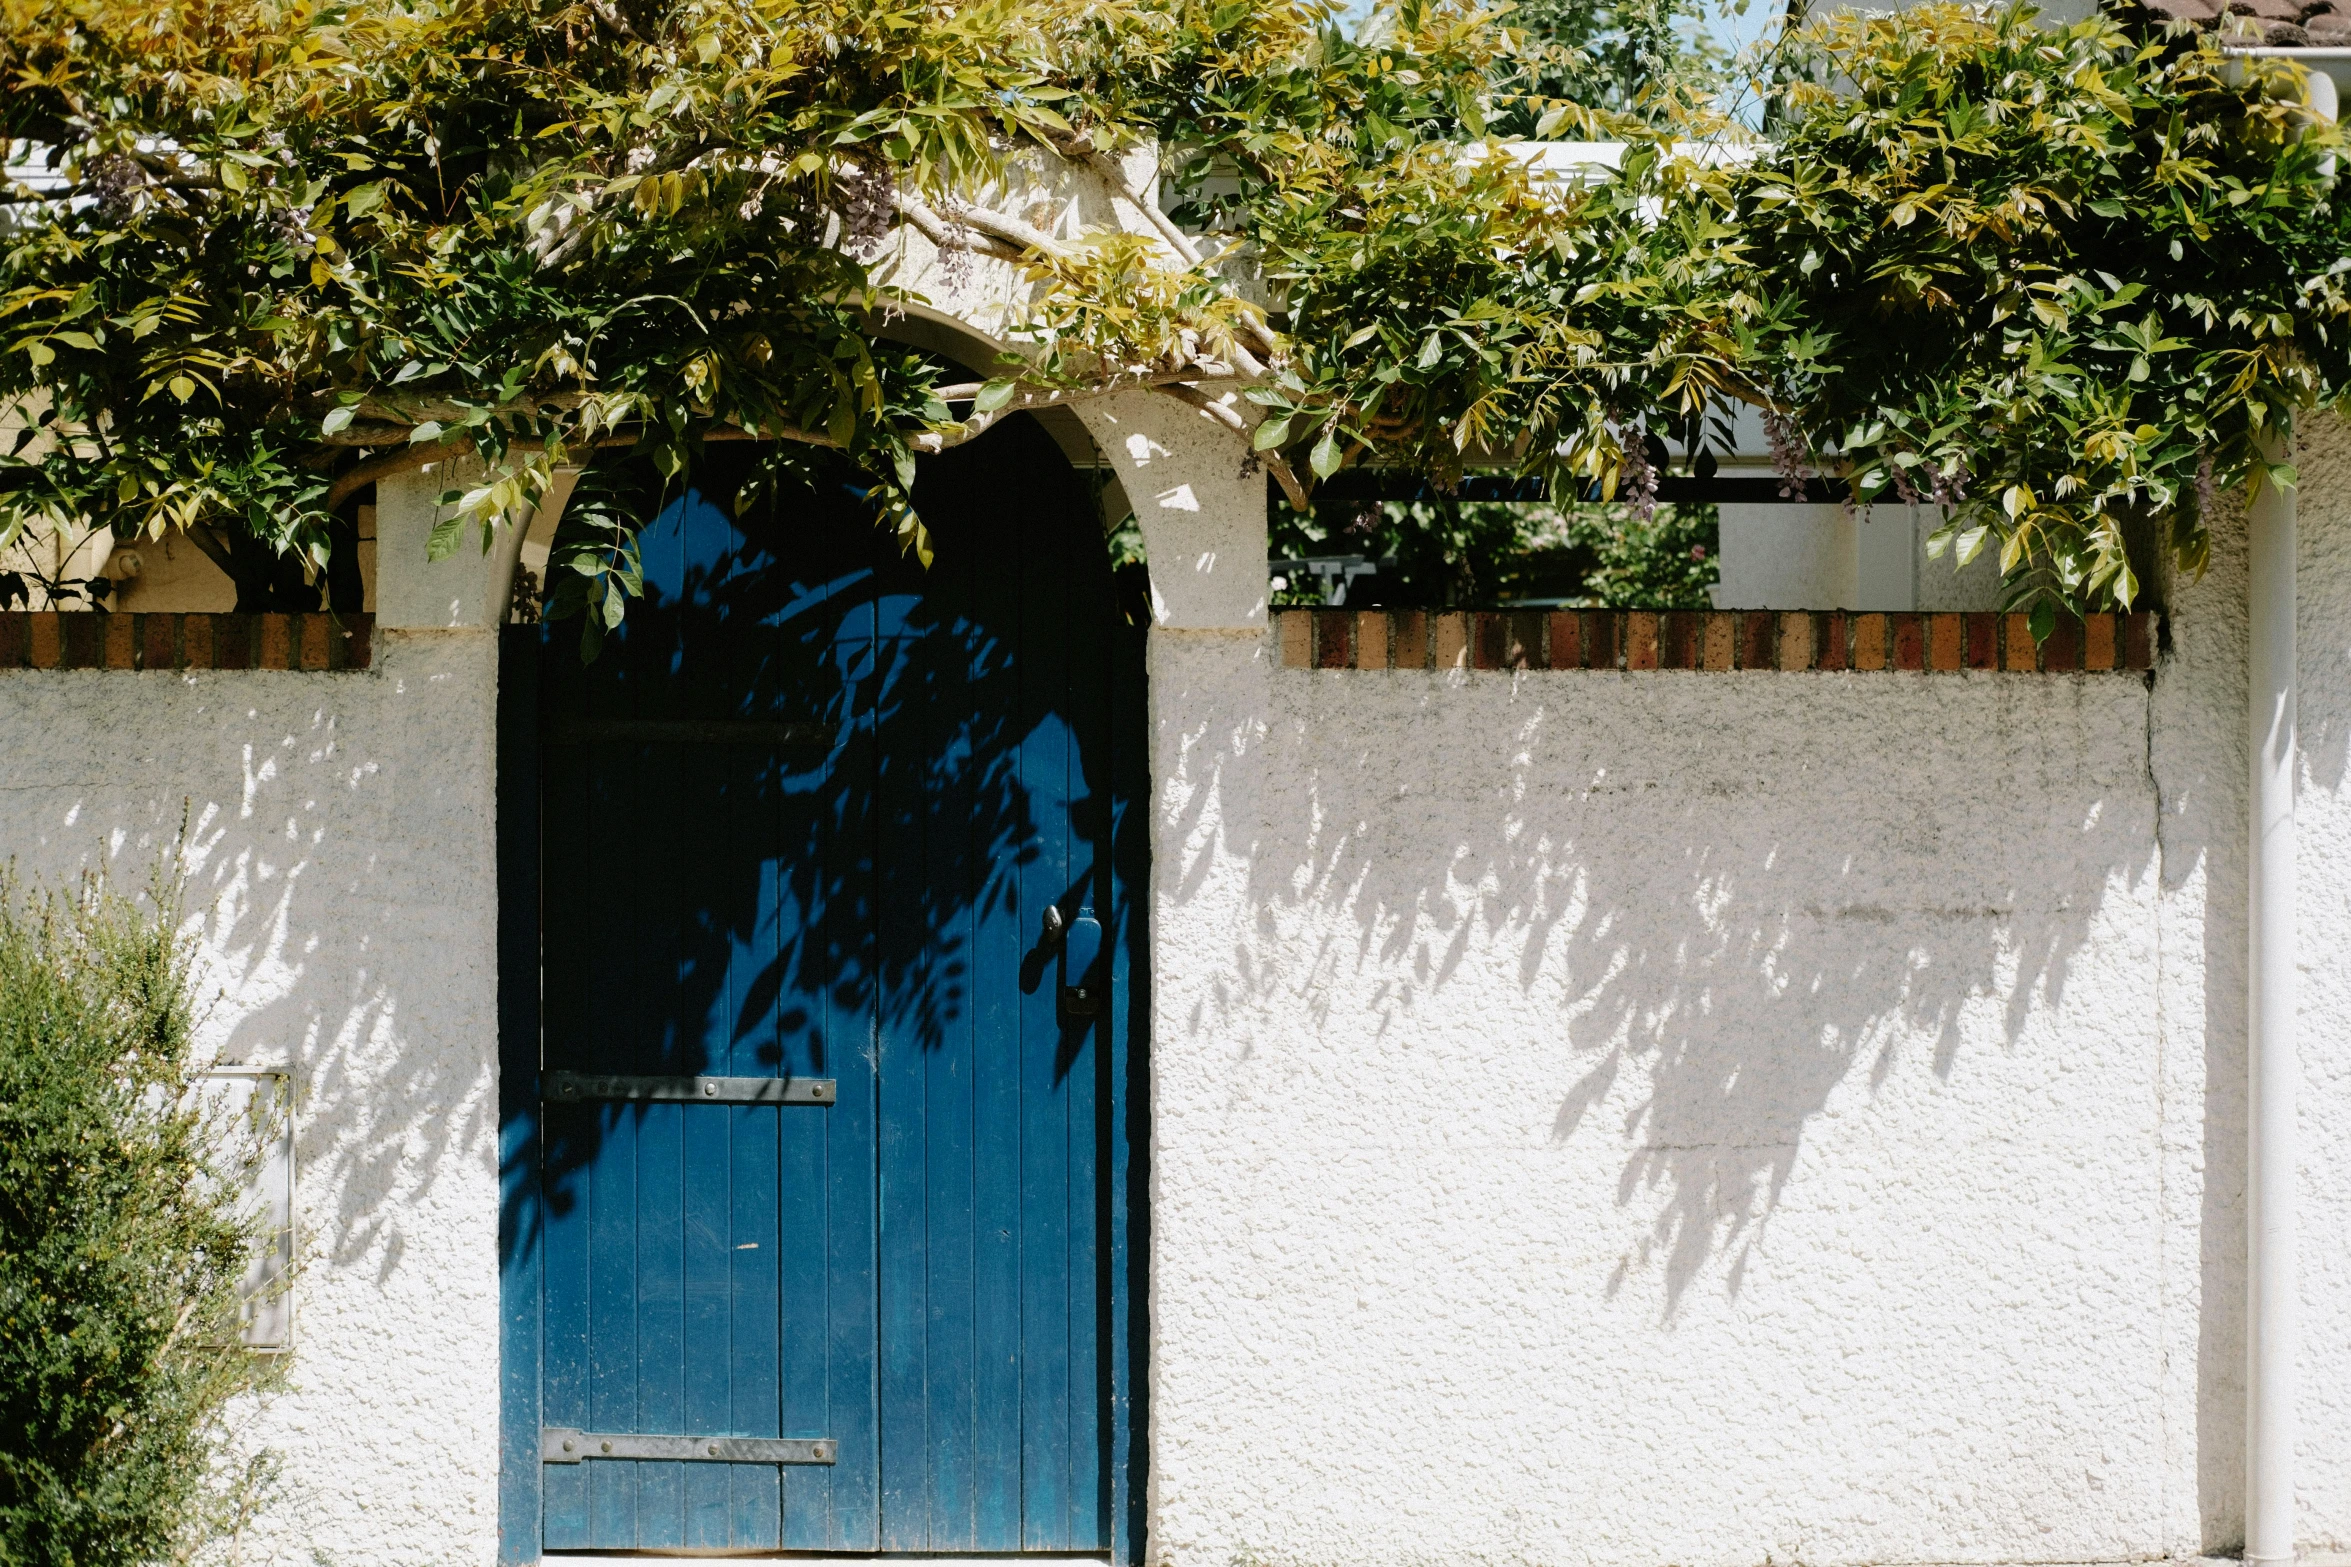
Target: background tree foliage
[
  {"x": 2063, "y": 281},
  {"x": 121, "y": 1246},
  {"x": 1456, "y": 554}
]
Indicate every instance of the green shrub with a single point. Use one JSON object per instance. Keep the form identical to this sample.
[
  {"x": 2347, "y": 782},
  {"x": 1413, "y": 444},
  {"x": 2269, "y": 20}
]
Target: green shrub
[{"x": 121, "y": 1246}]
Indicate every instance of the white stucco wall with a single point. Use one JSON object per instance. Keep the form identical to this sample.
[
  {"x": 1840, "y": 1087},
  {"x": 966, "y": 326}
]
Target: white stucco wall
[
  {"x": 341, "y": 894},
  {"x": 1715, "y": 1118}
]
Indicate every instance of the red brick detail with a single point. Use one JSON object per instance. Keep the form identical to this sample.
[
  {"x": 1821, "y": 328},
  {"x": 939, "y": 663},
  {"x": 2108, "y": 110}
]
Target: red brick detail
[
  {"x": 2098, "y": 647},
  {"x": 1640, "y": 639},
  {"x": 1829, "y": 644},
  {"x": 1494, "y": 640},
  {"x": 114, "y": 639},
  {"x": 1678, "y": 646},
  {"x": 232, "y": 641},
  {"x": 1721, "y": 639},
  {"x": 1603, "y": 639},
  {"x": 195, "y": 640},
  {"x": 1796, "y": 641},
  {"x": 1869, "y": 642},
  {"x": 2138, "y": 641},
  {"x": 84, "y": 639},
  {"x": 1910, "y": 642},
  {"x": 1525, "y": 643},
  {"x": 1943, "y": 642},
  {"x": 1452, "y": 641},
  {"x": 1566, "y": 650},
  {"x": 1981, "y": 633},
  {"x": 2063, "y": 650},
  {"x": 1294, "y": 630},
  {"x": 1408, "y": 640},
  {"x": 2017, "y": 648},
  {"x": 315, "y": 631}
]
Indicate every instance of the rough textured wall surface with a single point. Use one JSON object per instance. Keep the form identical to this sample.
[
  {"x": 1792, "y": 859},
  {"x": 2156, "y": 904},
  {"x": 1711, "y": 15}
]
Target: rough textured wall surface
[
  {"x": 2323, "y": 822},
  {"x": 341, "y": 897},
  {"x": 1704, "y": 1118}
]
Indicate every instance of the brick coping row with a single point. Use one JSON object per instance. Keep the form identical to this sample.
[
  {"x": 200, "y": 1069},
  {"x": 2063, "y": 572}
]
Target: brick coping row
[
  {"x": 1708, "y": 640},
  {"x": 103, "y": 639}
]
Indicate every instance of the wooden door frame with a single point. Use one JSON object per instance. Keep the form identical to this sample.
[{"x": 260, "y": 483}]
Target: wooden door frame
[{"x": 521, "y": 1273}]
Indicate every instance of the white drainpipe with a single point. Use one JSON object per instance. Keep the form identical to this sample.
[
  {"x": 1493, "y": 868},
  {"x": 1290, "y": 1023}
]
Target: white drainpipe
[
  {"x": 2272, "y": 1066},
  {"x": 2269, "y": 1315}
]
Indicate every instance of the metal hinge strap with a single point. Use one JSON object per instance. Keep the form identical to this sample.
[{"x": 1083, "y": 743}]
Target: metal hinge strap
[
  {"x": 563, "y": 1445},
  {"x": 579, "y": 1087}
]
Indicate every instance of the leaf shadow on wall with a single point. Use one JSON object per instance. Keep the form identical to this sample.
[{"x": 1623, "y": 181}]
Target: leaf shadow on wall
[
  {"x": 1734, "y": 899},
  {"x": 803, "y": 910}
]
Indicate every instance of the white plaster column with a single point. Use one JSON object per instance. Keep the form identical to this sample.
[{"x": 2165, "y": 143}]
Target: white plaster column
[
  {"x": 466, "y": 591},
  {"x": 1200, "y": 499}
]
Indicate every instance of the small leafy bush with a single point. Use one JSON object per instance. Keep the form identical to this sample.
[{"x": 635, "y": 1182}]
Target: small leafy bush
[{"x": 121, "y": 1247}]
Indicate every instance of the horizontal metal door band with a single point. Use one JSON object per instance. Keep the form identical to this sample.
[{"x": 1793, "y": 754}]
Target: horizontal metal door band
[
  {"x": 562, "y": 1445},
  {"x": 582, "y": 1086},
  {"x": 690, "y": 731}
]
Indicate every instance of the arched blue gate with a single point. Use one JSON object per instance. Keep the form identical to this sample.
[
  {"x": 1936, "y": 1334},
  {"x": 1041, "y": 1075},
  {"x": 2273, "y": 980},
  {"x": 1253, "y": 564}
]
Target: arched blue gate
[{"x": 821, "y": 959}]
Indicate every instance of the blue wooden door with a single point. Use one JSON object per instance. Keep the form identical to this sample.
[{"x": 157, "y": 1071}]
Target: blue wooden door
[{"x": 836, "y": 947}]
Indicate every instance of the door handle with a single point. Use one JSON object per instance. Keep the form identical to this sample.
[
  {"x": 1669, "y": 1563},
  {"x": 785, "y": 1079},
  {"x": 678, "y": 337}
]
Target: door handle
[
  {"x": 1076, "y": 946},
  {"x": 1081, "y": 955}
]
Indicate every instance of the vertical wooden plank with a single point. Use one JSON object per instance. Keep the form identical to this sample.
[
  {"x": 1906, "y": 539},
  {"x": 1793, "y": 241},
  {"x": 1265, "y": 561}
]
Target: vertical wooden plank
[
  {"x": 952, "y": 873},
  {"x": 829, "y": 1235},
  {"x": 899, "y": 855},
  {"x": 1080, "y": 1059},
  {"x": 1006, "y": 926},
  {"x": 566, "y": 1385},
  {"x": 661, "y": 1326},
  {"x": 1127, "y": 1104},
  {"x": 851, "y": 1237},
  {"x": 1045, "y": 771},
  {"x": 759, "y": 987},
  {"x": 612, "y": 1320},
  {"x": 522, "y": 1215},
  {"x": 710, "y": 1351}
]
